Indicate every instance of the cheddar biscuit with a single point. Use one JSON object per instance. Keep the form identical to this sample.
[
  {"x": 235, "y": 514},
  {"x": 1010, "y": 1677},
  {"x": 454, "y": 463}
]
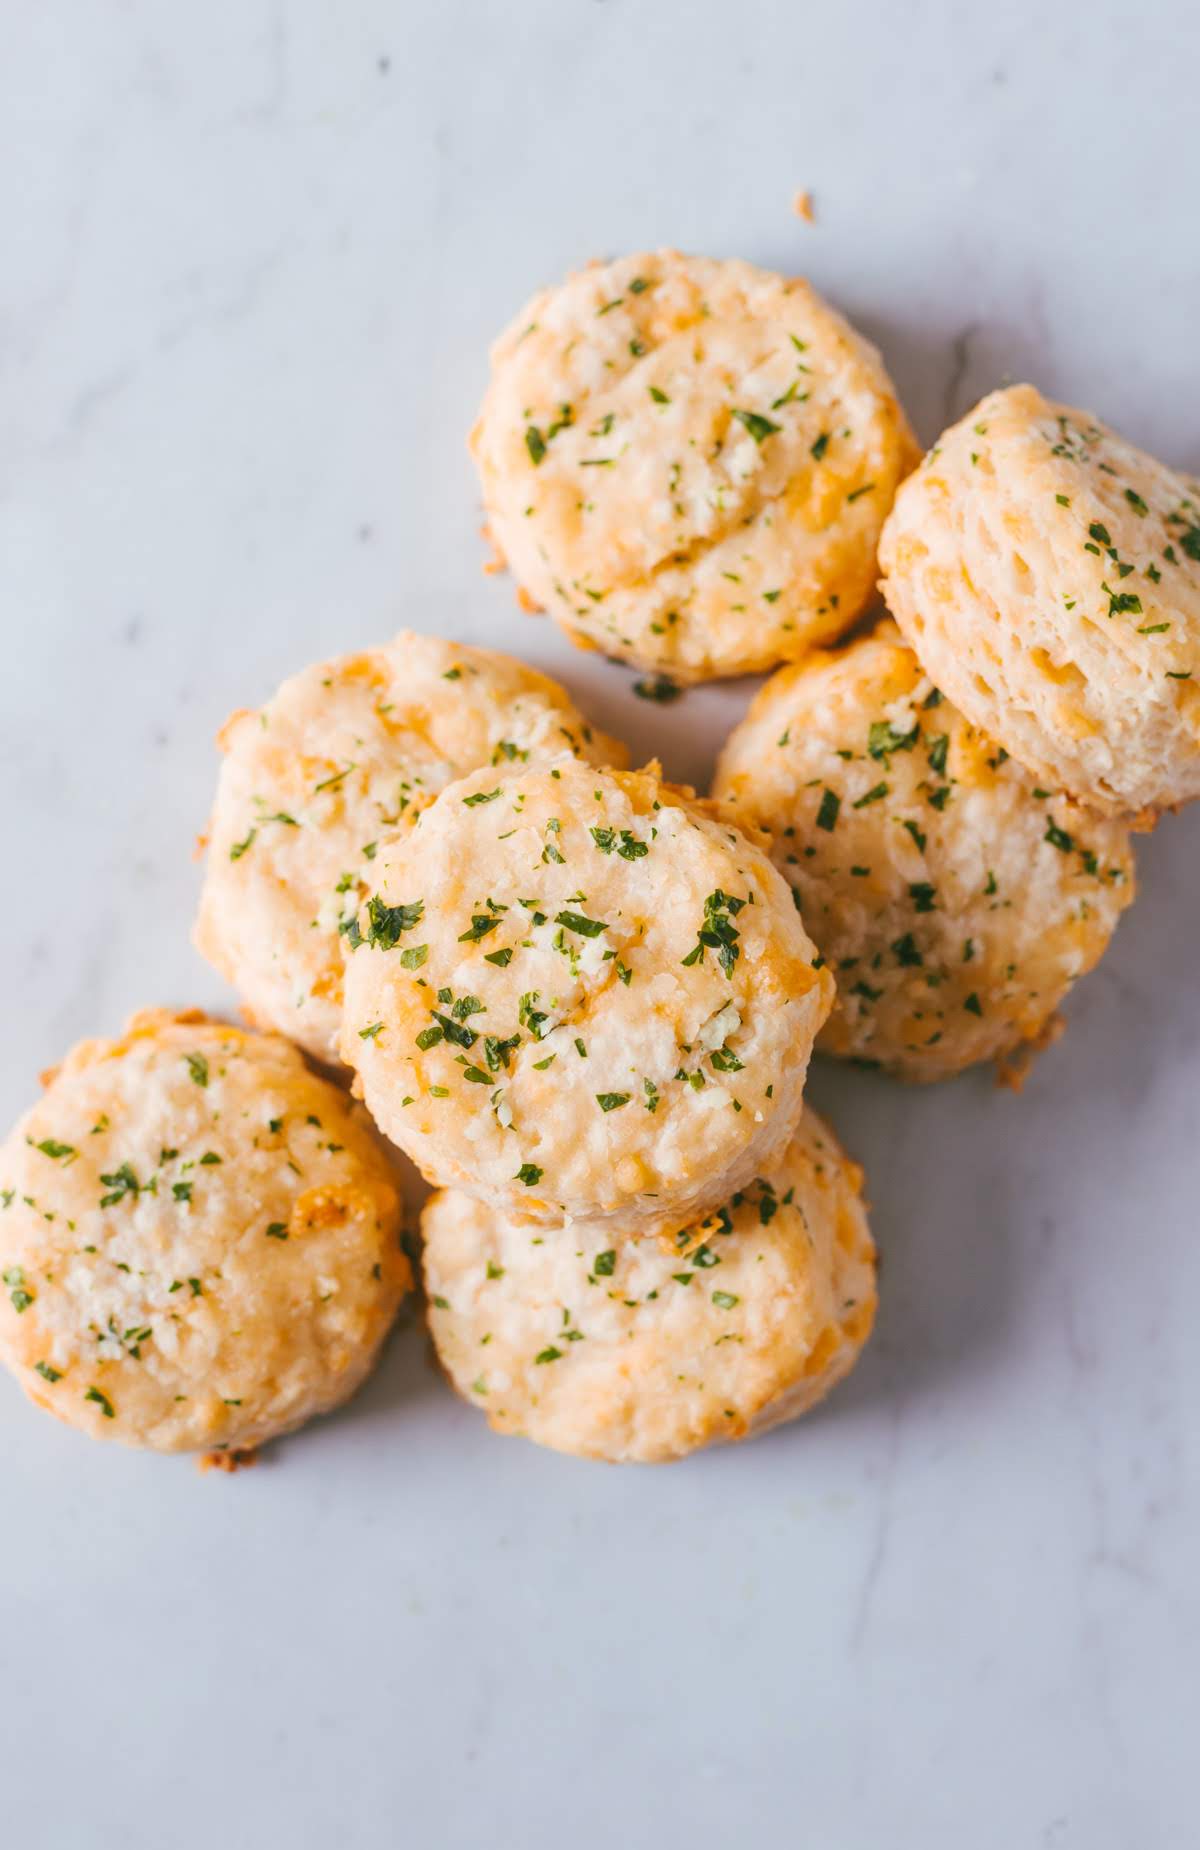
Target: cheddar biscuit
[
  {"x": 576, "y": 996},
  {"x": 1048, "y": 575},
  {"x": 344, "y": 756},
  {"x": 955, "y": 898},
  {"x": 641, "y": 1351},
  {"x": 687, "y": 462},
  {"x": 199, "y": 1239}
]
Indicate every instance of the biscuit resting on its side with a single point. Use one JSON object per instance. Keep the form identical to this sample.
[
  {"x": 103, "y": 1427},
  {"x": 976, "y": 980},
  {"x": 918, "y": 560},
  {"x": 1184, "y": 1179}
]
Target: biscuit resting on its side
[{"x": 1048, "y": 575}]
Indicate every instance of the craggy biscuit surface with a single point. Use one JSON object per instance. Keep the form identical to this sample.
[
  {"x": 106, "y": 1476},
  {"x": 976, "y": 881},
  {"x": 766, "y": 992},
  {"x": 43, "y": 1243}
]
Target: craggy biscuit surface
[
  {"x": 955, "y": 899},
  {"x": 199, "y": 1239},
  {"x": 342, "y": 757},
  {"x": 577, "y": 996},
  {"x": 636, "y": 1352},
  {"x": 688, "y": 462},
  {"x": 1048, "y": 575}
]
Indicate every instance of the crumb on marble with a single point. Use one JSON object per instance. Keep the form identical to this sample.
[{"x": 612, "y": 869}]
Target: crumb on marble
[
  {"x": 228, "y": 1462},
  {"x": 1012, "y": 1069}
]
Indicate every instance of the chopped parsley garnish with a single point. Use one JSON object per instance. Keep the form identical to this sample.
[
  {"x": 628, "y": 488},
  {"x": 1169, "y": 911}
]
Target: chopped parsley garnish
[
  {"x": 455, "y": 1032},
  {"x": 827, "y": 814},
  {"x": 718, "y": 932},
  {"x": 759, "y": 427},
  {"x": 1058, "y": 838},
  {"x": 605, "y": 1264},
  {"x": 481, "y": 796},
  {"x": 612, "y": 1101},
  {"x": 481, "y": 924},
  {"x": 578, "y": 922},
  {"x": 530, "y": 1174},
  {"x": 385, "y": 924},
  {"x": 884, "y": 739},
  {"x": 49, "y": 1146},
  {"x": 120, "y": 1183},
  {"x": 197, "y": 1066},
  {"x": 624, "y": 841},
  {"x": 529, "y": 1015},
  {"x": 21, "y": 1297},
  {"x": 535, "y": 443},
  {"x": 102, "y": 1401},
  {"x": 661, "y": 689}
]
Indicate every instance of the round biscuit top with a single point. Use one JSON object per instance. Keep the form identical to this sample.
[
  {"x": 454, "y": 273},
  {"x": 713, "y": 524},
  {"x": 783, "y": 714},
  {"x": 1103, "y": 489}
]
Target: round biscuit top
[
  {"x": 687, "y": 462},
  {"x": 646, "y": 1350},
  {"x": 1048, "y": 575},
  {"x": 343, "y": 757},
  {"x": 577, "y": 996},
  {"x": 955, "y": 899},
  {"x": 199, "y": 1239}
]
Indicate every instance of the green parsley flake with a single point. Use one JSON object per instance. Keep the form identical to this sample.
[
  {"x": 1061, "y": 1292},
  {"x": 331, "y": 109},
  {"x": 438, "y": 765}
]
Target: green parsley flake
[
  {"x": 578, "y": 922},
  {"x": 718, "y": 932},
  {"x": 827, "y": 814},
  {"x": 660, "y": 689},
  {"x": 759, "y": 427}
]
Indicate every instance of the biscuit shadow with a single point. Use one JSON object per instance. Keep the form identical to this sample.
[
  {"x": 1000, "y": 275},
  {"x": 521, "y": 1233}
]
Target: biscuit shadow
[
  {"x": 963, "y": 1178},
  {"x": 941, "y": 367}
]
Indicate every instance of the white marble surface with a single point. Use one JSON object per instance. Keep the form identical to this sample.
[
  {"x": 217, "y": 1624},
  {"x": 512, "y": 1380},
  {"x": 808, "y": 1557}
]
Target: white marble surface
[{"x": 252, "y": 257}]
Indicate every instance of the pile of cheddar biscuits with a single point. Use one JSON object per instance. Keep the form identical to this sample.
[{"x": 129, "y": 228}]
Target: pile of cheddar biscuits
[{"x": 581, "y": 999}]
